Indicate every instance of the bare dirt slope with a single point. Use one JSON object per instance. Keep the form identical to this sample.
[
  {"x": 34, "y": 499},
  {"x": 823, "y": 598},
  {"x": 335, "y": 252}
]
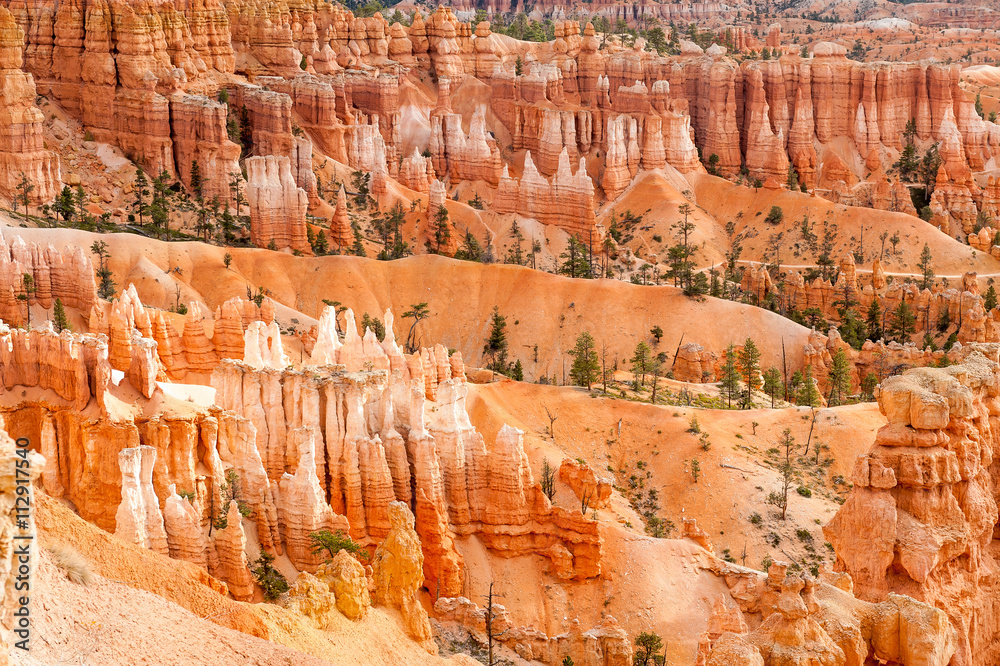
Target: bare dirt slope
[
  {"x": 622, "y": 438},
  {"x": 142, "y": 599},
  {"x": 747, "y": 208},
  {"x": 545, "y": 310}
]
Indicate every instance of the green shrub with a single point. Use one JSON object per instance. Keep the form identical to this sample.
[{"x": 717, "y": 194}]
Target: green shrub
[
  {"x": 271, "y": 581},
  {"x": 805, "y": 492}
]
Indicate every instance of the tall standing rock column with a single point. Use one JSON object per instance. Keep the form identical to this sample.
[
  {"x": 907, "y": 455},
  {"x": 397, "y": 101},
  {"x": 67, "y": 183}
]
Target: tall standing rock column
[
  {"x": 277, "y": 205},
  {"x": 21, "y": 145}
]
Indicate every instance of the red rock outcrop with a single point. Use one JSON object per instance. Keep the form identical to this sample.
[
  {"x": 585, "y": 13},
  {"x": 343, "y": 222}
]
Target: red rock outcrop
[
  {"x": 566, "y": 201},
  {"x": 922, "y": 514},
  {"x": 277, "y": 205},
  {"x": 22, "y": 153},
  {"x": 398, "y": 574},
  {"x": 139, "y": 519},
  {"x": 594, "y": 490},
  {"x": 66, "y": 275}
]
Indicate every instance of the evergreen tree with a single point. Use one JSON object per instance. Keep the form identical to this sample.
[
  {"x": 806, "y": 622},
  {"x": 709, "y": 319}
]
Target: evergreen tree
[
  {"x": 640, "y": 364},
  {"x": 321, "y": 247},
  {"x": 729, "y": 383},
  {"x": 80, "y": 203},
  {"x": 780, "y": 498},
  {"x": 793, "y": 387},
  {"x": 873, "y": 321},
  {"x": 60, "y": 320},
  {"x": 908, "y": 162},
  {"x": 442, "y": 231},
  {"x": 990, "y": 299},
  {"x": 64, "y": 204},
  {"x": 681, "y": 266},
  {"x": 141, "y": 191},
  {"x": 929, "y": 166},
  {"x": 576, "y": 263},
  {"x": 902, "y": 324},
  {"x": 358, "y": 248},
  {"x": 586, "y": 367},
  {"x": 517, "y": 371},
  {"x": 773, "y": 384},
  {"x": 495, "y": 348},
  {"x": 839, "y": 379},
  {"x": 196, "y": 182},
  {"x": 808, "y": 395},
  {"x": 926, "y": 267},
  {"x": 24, "y": 188},
  {"x": 748, "y": 363},
  {"x": 106, "y": 283},
  {"x": 868, "y": 385},
  {"x": 648, "y": 645},
  {"x": 469, "y": 250},
  {"x": 515, "y": 254}
]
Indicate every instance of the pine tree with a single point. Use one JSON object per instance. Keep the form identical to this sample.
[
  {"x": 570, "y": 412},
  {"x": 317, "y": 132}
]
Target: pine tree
[
  {"x": 442, "y": 231},
  {"x": 322, "y": 246},
  {"x": 729, "y": 383},
  {"x": 586, "y": 367},
  {"x": 990, "y": 299},
  {"x": 748, "y": 364},
  {"x": 808, "y": 394},
  {"x": 640, "y": 364},
  {"x": 140, "y": 190},
  {"x": 470, "y": 250},
  {"x": 106, "y": 283},
  {"x": 772, "y": 384},
  {"x": 517, "y": 372},
  {"x": 358, "y": 248},
  {"x": 873, "y": 321},
  {"x": 64, "y": 203},
  {"x": 576, "y": 263},
  {"x": 60, "y": 320},
  {"x": 787, "y": 469},
  {"x": 839, "y": 378},
  {"x": 24, "y": 189},
  {"x": 926, "y": 267},
  {"x": 903, "y": 323},
  {"x": 196, "y": 182},
  {"x": 495, "y": 348}
]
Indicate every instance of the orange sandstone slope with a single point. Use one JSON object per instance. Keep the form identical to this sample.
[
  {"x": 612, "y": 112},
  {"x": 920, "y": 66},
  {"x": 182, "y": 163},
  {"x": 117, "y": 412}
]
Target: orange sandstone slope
[
  {"x": 622, "y": 438},
  {"x": 143, "y": 603},
  {"x": 747, "y": 208},
  {"x": 541, "y": 309}
]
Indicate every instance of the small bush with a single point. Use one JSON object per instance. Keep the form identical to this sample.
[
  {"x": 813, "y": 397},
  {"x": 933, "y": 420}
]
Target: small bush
[
  {"x": 755, "y": 518},
  {"x": 75, "y": 566},
  {"x": 805, "y": 492},
  {"x": 804, "y": 535},
  {"x": 271, "y": 581},
  {"x": 773, "y": 539},
  {"x": 693, "y": 426}
]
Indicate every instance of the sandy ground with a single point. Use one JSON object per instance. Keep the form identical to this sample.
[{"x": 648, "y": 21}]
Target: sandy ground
[
  {"x": 111, "y": 623},
  {"x": 143, "y": 601}
]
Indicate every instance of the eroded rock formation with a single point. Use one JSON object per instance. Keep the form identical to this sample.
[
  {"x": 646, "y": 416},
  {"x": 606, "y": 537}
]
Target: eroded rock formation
[{"x": 921, "y": 517}]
